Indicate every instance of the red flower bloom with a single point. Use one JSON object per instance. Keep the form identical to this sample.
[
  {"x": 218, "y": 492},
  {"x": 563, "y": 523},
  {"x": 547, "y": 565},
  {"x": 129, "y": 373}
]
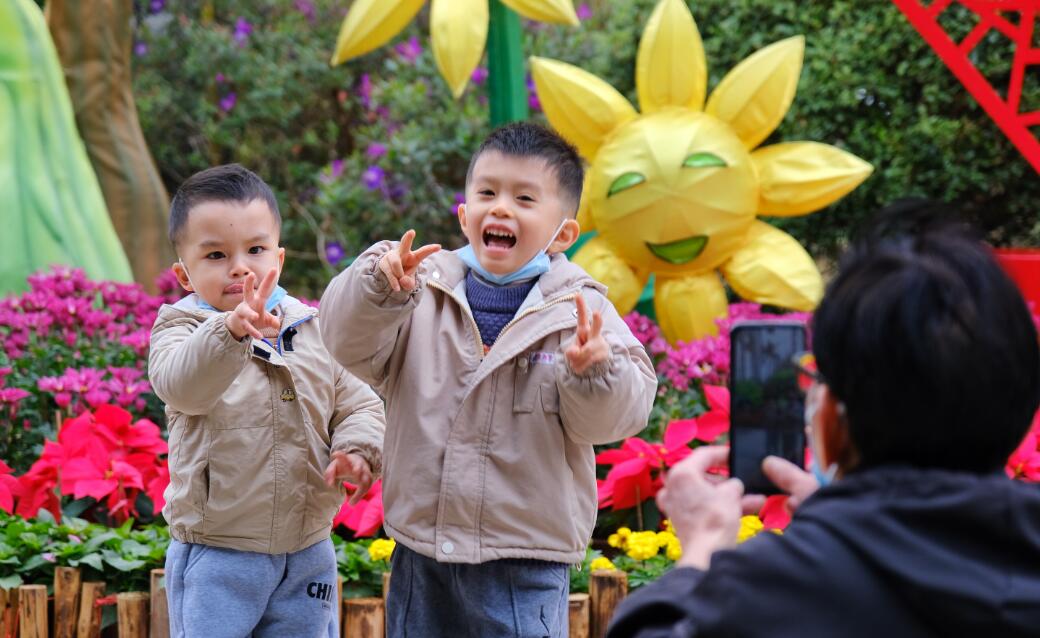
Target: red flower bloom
[
  {"x": 10, "y": 487},
  {"x": 1024, "y": 462},
  {"x": 774, "y": 513},
  {"x": 366, "y": 517}
]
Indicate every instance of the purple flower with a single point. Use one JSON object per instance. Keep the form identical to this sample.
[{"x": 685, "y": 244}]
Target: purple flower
[
  {"x": 49, "y": 557},
  {"x": 372, "y": 178},
  {"x": 228, "y": 102},
  {"x": 398, "y": 191},
  {"x": 410, "y": 50},
  {"x": 333, "y": 172},
  {"x": 220, "y": 78},
  {"x": 306, "y": 7},
  {"x": 334, "y": 252},
  {"x": 157, "y": 5},
  {"x": 365, "y": 90},
  {"x": 460, "y": 198},
  {"x": 584, "y": 11},
  {"x": 532, "y": 95},
  {"x": 242, "y": 31},
  {"x": 479, "y": 76},
  {"x": 140, "y": 49},
  {"x": 375, "y": 150}
]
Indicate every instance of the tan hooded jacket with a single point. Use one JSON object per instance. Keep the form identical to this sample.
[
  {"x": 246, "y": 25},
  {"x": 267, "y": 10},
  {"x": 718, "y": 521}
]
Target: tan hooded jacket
[
  {"x": 251, "y": 427},
  {"x": 488, "y": 456}
]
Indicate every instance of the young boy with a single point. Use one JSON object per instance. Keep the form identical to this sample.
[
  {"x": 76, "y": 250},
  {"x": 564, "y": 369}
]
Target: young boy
[
  {"x": 498, "y": 384},
  {"x": 256, "y": 406}
]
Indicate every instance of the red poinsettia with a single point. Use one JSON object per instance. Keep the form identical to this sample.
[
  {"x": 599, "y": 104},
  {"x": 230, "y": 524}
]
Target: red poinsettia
[
  {"x": 366, "y": 517},
  {"x": 9, "y": 488},
  {"x": 104, "y": 455},
  {"x": 1024, "y": 462},
  {"x": 775, "y": 514}
]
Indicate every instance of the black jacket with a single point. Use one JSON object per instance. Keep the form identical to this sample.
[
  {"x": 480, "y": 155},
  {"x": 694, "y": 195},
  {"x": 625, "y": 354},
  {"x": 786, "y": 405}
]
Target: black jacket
[{"x": 888, "y": 552}]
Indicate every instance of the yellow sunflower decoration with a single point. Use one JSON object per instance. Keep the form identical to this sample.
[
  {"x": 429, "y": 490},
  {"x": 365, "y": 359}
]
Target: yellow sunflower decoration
[
  {"x": 458, "y": 28},
  {"x": 675, "y": 190}
]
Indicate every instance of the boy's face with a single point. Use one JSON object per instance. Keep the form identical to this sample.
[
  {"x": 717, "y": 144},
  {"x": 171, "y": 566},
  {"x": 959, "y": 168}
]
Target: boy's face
[
  {"x": 513, "y": 205},
  {"x": 221, "y": 243}
]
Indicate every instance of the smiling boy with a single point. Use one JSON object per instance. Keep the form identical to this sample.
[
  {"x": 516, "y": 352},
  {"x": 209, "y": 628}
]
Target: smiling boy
[{"x": 499, "y": 381}]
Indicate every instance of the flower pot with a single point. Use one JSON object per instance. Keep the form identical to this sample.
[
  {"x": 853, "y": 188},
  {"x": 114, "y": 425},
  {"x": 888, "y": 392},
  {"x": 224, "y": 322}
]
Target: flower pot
[{"x": 1023, "y": 265}]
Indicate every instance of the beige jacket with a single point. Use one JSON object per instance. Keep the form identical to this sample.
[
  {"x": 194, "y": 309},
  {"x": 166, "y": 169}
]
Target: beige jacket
[
  {"x": 487, "y": 456},
  {"x": 251, "y": 426}
]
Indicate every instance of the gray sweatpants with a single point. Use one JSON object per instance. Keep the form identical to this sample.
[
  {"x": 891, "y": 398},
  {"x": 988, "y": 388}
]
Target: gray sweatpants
[{"x": 224, "y": 593}]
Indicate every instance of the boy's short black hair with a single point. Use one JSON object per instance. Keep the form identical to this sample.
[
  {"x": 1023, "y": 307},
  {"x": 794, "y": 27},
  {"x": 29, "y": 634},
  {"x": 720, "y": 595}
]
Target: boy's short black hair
[
  {"x": 929, "y": 344},
  {"x": 226, "y": 183},
  {"x": 524, "y": 139}
]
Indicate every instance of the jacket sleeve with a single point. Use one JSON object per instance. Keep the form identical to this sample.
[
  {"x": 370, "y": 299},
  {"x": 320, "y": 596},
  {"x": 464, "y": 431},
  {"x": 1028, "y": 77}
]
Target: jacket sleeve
[
  {"x": 191, "y": 365},
  {"x": 359, "y": 421},
  {"x": 611, "y": 400},
  {"x": 661, "y": 609},
  {"x": 363, "y": 316}
]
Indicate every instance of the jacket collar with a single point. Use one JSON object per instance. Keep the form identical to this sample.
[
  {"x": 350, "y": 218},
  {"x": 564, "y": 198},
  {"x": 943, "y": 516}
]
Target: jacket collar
[
  {"x": 563, "y": 277},
  {"x": 292, "y": 310}
]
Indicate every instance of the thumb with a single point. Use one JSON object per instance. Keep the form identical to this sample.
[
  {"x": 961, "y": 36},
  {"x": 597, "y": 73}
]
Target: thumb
[{"x": 789, "y": 477}]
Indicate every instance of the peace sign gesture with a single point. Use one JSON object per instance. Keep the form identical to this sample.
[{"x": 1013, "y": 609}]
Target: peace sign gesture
[
  {"x": 251, "y": 316},
  {"x": 589, "y": 347},
  {"x": 399, "y": 265}
]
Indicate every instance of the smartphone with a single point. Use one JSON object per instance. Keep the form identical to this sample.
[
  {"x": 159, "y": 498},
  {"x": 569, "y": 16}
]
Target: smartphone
[{"x": 767, "y": 413}]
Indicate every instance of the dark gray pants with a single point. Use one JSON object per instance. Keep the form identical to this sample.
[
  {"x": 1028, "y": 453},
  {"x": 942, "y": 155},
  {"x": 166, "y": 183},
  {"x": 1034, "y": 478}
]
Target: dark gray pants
[
  {"x": 513, "y": 597},
  {"x": 224, "y": 593}
]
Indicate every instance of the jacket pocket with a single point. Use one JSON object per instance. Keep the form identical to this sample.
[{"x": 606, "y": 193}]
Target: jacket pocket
[
  {"x": 199, "y": 492},
  {"x": 534, "y": 383}
]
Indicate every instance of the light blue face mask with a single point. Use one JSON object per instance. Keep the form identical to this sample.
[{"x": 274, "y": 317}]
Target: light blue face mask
[
  {"x": 823, "y": 477},
  {"x": 537, "y": 265},
  {"x": 276, "y": 295}
]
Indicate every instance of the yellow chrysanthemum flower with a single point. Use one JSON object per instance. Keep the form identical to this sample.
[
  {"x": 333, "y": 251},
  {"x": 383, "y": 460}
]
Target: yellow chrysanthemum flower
[
  {"x": 602, "y": 563},
  {"x": 381, "y": 549},
  {"x": 624, "y": 532},
  {"x": 750, "y": 526},
  {"x": 674, "y": 550},
  {"x": 642, "y": 545},
  {"x": 668, "y": 527},
  {"x": 615, "y": 541},
  {"x": 458, "y": 29},
  {"x": 676, "y": 190},
  {"x": 664, "y": 538}
]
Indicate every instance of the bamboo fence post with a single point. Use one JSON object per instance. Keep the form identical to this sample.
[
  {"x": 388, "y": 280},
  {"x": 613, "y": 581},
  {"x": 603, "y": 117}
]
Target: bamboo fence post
[
  {"x": 66, "y": 601},
  {"x": 362, "y": 618},
  {"x": 89, "y": 623},
  {"x": 8, "y": 612},
  {"x": 159, "y": 625},
  {"x": 606, "y": 590},
  {"x": 32, "y": 611},
  {"x": 133, "y": 614},
  {"x": 578, "y": 616}
]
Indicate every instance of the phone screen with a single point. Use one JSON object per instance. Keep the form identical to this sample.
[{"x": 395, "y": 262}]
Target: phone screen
[{"x": 766, "y": 405}]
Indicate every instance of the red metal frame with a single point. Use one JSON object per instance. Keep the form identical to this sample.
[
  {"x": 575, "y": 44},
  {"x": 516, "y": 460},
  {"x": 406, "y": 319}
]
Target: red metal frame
[{"x": 1006, "y": 113}]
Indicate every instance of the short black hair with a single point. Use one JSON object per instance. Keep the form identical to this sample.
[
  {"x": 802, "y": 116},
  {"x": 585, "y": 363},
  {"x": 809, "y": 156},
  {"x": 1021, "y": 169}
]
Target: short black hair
[
  {"x": 225, "y": 183},
  {"x": 929, "y": 344},
  {"x": 525, "y": 139}
]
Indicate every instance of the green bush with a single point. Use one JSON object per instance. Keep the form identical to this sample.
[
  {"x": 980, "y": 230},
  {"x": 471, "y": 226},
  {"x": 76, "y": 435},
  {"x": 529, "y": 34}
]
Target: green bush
[{"x": 360, "y": 152}]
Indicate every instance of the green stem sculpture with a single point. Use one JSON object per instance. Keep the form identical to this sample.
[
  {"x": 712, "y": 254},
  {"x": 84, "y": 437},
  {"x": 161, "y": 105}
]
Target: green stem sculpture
[{"x": 507, "y": 91}]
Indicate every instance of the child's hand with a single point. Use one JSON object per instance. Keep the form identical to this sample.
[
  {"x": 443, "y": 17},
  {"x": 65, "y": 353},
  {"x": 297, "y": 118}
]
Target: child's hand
[
  {"x": 250, "y": 316},
  {"x": 400, "y": 265},
  {"x": 589, "y": 347},
  {"x": 351, "y": 468}
]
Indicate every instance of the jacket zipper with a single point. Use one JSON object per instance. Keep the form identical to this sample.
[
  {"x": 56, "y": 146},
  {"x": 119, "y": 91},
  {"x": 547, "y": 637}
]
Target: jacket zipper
[
  {"x": 535, "y": 309},
  {"x": 469, "y": 315},
  {"x": 281, "y": 333}
]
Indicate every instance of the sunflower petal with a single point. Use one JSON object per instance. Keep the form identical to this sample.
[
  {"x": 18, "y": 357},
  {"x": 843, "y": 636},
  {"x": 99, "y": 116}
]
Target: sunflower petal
[
  {"x": 370, "y": 24},
  {"x": 604, "y": 265},
  {"x": 582, "y": 107},
  {"x": 670, "y": 67},
  {"x": 755, "y": 95},
  {"x": 772, "y": 268},
  {"x": 558, "y": 11},
  {"x": 459, "y": 31},
  {"x": 796, "y": 178},
  {"x": 687, "y": 307}
]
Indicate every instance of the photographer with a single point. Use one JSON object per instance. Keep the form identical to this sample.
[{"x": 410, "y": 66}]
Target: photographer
[{"x": 929, "y": 377}]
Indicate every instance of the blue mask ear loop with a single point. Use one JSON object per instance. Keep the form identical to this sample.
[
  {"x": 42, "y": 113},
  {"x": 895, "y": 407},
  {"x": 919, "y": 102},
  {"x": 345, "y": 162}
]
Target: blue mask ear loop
[{"x": 823, "y": 477}]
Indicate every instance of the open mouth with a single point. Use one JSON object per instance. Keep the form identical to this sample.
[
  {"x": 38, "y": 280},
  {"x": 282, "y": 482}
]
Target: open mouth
[
  {"x": 499, "y": 238},
  {"x": 680, "y": 252}
]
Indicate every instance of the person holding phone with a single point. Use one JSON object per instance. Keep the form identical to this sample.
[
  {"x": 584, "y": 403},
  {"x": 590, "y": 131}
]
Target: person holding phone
[{"x": 928, "y": 378}]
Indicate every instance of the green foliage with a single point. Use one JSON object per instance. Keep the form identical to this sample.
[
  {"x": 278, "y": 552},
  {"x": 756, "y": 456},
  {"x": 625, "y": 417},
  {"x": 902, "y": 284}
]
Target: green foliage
[
  {"x": 123, "y": 557},
  {"x": 362, "y": 576},
  {"x": 870, "y": 85}
]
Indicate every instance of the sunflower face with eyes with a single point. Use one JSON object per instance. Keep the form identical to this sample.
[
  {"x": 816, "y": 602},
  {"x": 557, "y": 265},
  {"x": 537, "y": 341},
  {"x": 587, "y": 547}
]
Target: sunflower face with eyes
[{"x": 675, "y": 191}]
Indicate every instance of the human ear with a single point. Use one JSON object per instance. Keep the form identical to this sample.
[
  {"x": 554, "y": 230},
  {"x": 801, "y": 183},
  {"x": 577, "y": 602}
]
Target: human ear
[
  {"x": 832, "y": 430},
  {"x": 566, "y": 237},
  {"x": 182, "y": 276}
]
